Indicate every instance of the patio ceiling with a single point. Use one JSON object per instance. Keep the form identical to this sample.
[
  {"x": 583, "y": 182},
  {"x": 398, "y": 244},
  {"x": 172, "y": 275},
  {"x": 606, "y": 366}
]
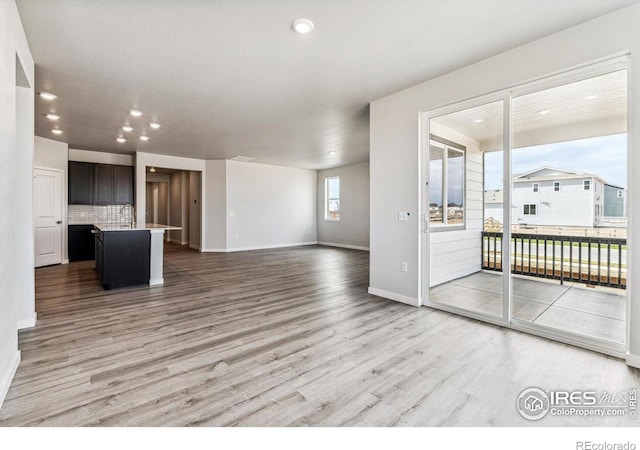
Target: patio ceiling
[{"x": 588, "y": 108}]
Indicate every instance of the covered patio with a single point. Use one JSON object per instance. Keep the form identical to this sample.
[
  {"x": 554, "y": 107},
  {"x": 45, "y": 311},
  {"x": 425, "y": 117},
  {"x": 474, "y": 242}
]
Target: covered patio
[{"x": 593, "y": 312}]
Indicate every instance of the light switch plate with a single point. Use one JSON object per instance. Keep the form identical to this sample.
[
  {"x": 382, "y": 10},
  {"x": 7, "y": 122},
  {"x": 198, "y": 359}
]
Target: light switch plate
[{"x": 403, "y": 216}]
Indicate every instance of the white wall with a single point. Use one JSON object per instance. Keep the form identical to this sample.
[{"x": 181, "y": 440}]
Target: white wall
[
  {"x": 214, "y": 206},
  {"x": 100, "y": 157},
  {"x": 13, "y": 176},
  {"x": 24, "y": 208},
  {"x": 394, "y": 160},
  {"x": 55, "y": 155},
  {"x": 352, "y": 230},
  {"x": 269, "y": 206}
]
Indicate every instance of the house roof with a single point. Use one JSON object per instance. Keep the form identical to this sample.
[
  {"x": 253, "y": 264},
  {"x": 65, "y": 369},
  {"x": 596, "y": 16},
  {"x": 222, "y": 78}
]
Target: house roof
[{"x": 547, "y": 173}]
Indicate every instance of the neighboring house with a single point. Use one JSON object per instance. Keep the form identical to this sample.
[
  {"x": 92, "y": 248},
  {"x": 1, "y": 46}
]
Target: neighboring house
[
  {"x": 557, "y": 197},
  {"x": 493, "y": 205}
]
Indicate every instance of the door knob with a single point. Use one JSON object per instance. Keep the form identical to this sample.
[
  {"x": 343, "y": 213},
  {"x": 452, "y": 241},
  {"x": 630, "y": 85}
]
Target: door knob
[{"x": 59, "y": 222}]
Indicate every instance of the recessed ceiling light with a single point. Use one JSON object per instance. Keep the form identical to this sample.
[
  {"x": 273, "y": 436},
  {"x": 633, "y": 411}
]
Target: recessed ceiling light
[
  {"x": 302, "y": 26},
  {"x": 544, "y": 111},
  {"x": 135, "y": 113},
  {"x": 144, "y": 138},
  {"x": 332, "y": 152},
  {"x": 52, "y": 116},
  {"x": 591, "y": 97},
  {"x": 127, "y": 128},
  {"x": 121, "y": 140},
  {"x": 153, "y": 169},
  {"x": 56, "y": 131},
  {"x": 47, "y": 95},
  {"x": 479, "y": 120},
  {"x": 155, "y": 125}
]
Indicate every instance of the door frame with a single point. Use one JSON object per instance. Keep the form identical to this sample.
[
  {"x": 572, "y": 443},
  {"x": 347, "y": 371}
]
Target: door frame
[{"x": 619, "y": 62}]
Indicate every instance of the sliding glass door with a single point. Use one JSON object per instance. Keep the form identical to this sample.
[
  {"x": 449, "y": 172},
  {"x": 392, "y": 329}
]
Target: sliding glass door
[{"x": 525, "y": 207}]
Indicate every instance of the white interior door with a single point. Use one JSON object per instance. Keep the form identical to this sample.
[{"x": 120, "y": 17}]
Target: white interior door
[{"x": 47, "y": 191}]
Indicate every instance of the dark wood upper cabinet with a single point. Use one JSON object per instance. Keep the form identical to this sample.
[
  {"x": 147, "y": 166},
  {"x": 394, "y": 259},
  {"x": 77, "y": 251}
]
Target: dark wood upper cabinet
[
  {"x": 100, "y": 184},
  {"x": 81, "y": 183},
  {"x": 104, "y": 189},
  {"x": 123, "y": 184}
]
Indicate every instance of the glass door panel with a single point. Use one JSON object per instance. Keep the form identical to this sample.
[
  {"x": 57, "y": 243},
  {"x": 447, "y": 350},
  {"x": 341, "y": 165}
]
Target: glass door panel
[
  {"x": 569, "y": 186},
  {"x": 465, "y": 228}
]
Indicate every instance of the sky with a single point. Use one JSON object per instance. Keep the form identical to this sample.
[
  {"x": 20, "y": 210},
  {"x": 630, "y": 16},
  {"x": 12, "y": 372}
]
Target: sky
[{"x": 605, "y": 156}]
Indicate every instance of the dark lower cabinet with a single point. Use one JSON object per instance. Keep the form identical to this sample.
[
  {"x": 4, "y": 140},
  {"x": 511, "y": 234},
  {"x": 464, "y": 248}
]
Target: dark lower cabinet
[
  {"x": 123, "y": 257},
  {"x": 81, "y": 243}
]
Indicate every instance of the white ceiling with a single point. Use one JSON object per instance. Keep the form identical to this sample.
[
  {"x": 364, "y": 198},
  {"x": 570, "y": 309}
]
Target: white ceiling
[{"x": 229, "y": 77}]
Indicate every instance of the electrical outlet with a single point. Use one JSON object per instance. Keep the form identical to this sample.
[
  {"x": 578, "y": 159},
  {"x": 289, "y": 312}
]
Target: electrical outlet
[
  {"x": 403, "y": 216},
  {"x": 404, "y": 266}
]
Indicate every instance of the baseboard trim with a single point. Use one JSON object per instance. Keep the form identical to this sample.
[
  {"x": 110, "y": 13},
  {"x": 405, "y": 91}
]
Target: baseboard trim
[
  {"x": 393, "y": 296},
  {"x": 28, "y": 323},
  {"x": 267, "y": 247},
  {"x": 194, "y": 247},
  {"x": 351, "y": 247},
  {"x": 633, "y": 360},
  {"x": 213, "y": 250},
  {"x": 176, "y": 241},
  {"x": 8, "y": 377},
  {"x": 65, "y": 261}
]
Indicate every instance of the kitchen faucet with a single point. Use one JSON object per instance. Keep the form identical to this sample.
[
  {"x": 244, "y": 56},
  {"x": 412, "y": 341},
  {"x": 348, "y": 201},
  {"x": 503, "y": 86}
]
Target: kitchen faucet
[{"x": 133, "y": 213}]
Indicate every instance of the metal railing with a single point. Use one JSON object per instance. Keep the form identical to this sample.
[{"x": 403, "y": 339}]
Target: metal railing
[{"x": 580, "y": 259}]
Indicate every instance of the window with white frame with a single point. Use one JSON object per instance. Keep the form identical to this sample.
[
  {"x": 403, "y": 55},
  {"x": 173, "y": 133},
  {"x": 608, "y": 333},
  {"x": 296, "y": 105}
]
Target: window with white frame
[
  {"x": 556, "y": 186},
  {"x": 620, "y": 193},
  {"x": 447, "y": 184},
  {"x": 529, "y": 209},
  {"x": 586, "y": 185},
  {"x": 535, "y": 187},
  {"x": 332, "y": 198}
]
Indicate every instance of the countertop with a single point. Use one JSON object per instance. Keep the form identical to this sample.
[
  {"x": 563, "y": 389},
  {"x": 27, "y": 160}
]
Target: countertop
[{"x": 137, "y": 226}]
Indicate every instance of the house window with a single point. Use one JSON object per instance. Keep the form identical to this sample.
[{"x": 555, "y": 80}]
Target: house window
[
  {"x": 446, "y": 181},
  {"x": 556, "y": 186},
  {"x": 332, "y": 198},
  {"x": 535, "y": 187},
  {"x": 529, "y": 209},
  {"x": 586, "y": 185},
  {"x": 619, "y": 194}
]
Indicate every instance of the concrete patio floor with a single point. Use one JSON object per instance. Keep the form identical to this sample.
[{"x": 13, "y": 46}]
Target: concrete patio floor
[{"x": 592, "y": 312}]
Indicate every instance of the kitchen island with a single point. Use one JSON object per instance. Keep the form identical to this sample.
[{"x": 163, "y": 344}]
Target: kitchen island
[{"x": 128, "y": 255}]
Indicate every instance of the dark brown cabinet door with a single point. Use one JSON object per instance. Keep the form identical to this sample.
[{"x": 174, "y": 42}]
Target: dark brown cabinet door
[
  {"x": 123, "y": 184},
  {"x": 81, "y": 183},
  {"x": 103, "y": 192}
]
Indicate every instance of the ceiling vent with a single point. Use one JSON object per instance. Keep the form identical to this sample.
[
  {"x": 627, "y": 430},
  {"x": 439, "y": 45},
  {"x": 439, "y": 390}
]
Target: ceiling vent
[{"x": 242, "y": 158}]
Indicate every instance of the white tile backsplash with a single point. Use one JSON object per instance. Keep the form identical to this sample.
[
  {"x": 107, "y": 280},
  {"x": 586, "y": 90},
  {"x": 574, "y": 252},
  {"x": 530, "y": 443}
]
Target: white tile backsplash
[{"x": 89, "y": 214}]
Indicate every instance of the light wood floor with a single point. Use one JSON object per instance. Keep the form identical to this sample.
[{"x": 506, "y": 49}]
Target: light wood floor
[{"x": 277, "y": 337}]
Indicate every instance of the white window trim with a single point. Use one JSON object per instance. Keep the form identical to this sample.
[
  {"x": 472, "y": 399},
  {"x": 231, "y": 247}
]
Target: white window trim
[
  {"x": 444, "y": 226},
  {"x": 535, "y": 187},
  {"x": 584, "y": 185},
  {"x": 327, "y": 199},
  {"x": 559, "y": 186},
  {"x": 620, "y": 193}
]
